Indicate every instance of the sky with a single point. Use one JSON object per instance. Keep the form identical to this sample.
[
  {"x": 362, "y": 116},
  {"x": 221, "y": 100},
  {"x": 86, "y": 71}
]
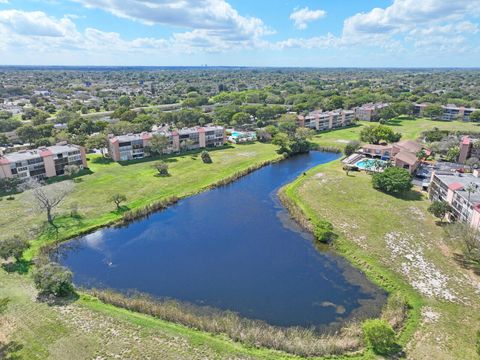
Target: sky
[{"x": 293, "y": 33}]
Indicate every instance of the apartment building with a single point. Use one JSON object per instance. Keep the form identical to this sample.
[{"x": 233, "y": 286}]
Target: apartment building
[
  {"x": 41, "y": 163},
  {"x": 461, "y": 191},
  {"x": 135, "y": 146},
  {"x": 369, "y": 112},
  {"x": 450, "y": 112},
  {"x": 320, "y": 120}
]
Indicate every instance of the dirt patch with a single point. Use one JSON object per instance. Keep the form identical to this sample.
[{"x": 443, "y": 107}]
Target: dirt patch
[{"x": 422, "y": 274}]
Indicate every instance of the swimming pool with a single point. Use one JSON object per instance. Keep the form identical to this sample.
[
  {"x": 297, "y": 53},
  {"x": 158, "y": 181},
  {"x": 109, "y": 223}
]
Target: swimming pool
[{"x": 369, "y": 164}]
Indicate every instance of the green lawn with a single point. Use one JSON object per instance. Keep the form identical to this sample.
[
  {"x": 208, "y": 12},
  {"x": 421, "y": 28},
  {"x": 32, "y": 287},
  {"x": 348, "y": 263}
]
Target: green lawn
[
  {"x": 138, "y": 181},
  {"x": 363, "y": 217},
  {"x": 409, "y": 128},
  {"x": 400, "y": 246}
]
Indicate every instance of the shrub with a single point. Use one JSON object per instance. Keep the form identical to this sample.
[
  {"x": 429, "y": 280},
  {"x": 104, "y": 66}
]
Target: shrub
[
  {"x": 162, "y": 168},
  {"x": 379, "y": 335},
  {"x": 206, "y": 157},
  {"x": 324, "y": 232},
  {"x": 53, "y": 279},
  {"x": 13, "y": 247},
  {"x": 392, "y": 180}
]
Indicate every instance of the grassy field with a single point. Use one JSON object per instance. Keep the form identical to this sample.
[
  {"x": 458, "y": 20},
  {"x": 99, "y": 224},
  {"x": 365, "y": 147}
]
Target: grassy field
[
  {"x": 138, "y": 181},
  {"x": 400, "y": 246},
  {"x": 379, "y": 234},
  {"x": 409, "y": 128}
]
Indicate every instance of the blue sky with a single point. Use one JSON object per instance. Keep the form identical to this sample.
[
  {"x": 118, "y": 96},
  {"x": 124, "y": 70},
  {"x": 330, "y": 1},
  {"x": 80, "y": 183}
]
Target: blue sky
[{"x": 321, "y": 33}]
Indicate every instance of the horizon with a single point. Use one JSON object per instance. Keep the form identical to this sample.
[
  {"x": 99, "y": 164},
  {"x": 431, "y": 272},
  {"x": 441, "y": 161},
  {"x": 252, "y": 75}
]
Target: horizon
[{"x": 297, "y": 34}]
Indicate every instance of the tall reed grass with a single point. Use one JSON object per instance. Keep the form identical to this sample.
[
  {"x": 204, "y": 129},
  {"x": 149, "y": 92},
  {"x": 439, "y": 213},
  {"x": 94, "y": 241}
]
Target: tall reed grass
[{"x": 294, "y": 340}]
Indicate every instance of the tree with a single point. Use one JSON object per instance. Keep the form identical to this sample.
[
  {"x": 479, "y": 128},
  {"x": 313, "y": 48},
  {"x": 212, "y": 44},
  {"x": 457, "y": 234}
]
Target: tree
[
  {"x": 13, "y": 247},
  {"x": 241, "y": 118},
  {"x": 124, "y": 101},
  {"x": 47, "y": 198},
  {"x": 158, "y": 144},
  {"x": 53, "y": 279},
  {"x": 433, "y": 111},
  {"x": 351, "y": 147},
  {"x": 439, "y": 209},
  {"x": 117, "y": 199},
  {"x": 386, "y": 113},
  {"x": 469, "y": 239},
  {"x": 97, "y": 141},
  {"x": 380, "y": 336},
  {"x": 452, "y": 154},
  {"x": 281, "y": 139},
  {"x": 162, "y": 168},
  {"x": 422, "y": 154},
  {"x": 9, "y": 185},
  {"x": 475, "y": 116},
  {"x": 471, "y": 188},
  {"x": 374, "y": 134},
  {"x": 28, "y": 134},
  {"x": 206, "y": 157},
  {"x": 392, "y": 180},
  {"x": 3, "y": 140}
]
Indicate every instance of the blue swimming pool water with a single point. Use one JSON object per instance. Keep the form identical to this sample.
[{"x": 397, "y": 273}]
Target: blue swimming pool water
[{"x": 367, "y": 163}]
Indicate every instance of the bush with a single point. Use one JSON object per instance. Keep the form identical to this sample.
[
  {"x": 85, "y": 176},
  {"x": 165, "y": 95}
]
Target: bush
[
  {"x": 162, "y": 168},
  {"x": 379, "y": 335},
  {"x": 392, "y": 180},
  {"x": 324, "y": 232},
  {"x": 206, "y": 157},
  {"x": 53, "y": 279},
  {"x": 13, "y": 247}
]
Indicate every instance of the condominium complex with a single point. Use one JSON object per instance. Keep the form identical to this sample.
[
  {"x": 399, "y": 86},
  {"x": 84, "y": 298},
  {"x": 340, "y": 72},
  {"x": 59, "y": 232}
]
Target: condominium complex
[
  {"x": 41, "y": 163},
  {"x": 135, "y": 146},
  {"x": 461, "y": 191},
  {"x": 320, "y": 120},
  {"x": 402, "y": 154},
  {"x": 450, "y": 112},
  {"x": 369, "y": 112}
]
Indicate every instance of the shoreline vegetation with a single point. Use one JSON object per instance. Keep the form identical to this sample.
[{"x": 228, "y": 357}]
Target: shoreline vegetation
[
  {"x": 403, "y": 307},
  {"x": 403, "y": 310}
]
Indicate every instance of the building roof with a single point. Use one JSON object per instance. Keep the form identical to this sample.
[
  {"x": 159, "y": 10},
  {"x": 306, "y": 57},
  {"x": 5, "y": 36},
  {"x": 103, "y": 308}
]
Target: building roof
[
  {"x": 459, "y": 182},
  {"x": 36, "y": 153},
  {"x": 407, "y": 157},
  {"x": 455, "y": 186},
  {"x": 377, "y": 147},
  {"x": 409, "y": 145}
]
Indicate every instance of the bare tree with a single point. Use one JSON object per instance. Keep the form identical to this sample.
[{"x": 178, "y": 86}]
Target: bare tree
[{"x": 47, "y": 198}]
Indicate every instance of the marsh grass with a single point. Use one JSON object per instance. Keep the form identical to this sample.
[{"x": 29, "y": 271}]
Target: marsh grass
[{"x": 294, "y": 340}]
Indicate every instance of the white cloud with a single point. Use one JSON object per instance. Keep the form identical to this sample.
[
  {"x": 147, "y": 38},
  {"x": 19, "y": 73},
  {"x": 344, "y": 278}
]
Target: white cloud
[
  {"x": 404, "y": 15},
  {"x": 301, "y": 17},
  {"x": 35, "y": 23},
  {"x": 216, "y": 18}
]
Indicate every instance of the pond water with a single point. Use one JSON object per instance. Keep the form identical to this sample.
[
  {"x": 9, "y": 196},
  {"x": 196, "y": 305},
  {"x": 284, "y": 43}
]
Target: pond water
[{"x": 232, "y": 248}]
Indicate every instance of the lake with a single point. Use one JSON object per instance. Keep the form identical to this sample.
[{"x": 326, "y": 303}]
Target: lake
[{"x": 232, "y": 248}]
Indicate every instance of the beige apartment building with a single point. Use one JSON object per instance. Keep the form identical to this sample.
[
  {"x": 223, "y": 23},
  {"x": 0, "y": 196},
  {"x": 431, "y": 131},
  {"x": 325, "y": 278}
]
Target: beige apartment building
[
  {"x": 325, "y": 120},
  {"x": 44, "y": 162},
  {"x": 369, "y": 112},
  {"x": 135, "y": 146}
]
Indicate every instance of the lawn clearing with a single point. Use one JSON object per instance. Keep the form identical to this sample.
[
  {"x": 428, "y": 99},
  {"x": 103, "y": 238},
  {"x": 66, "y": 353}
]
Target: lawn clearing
[
  {"x": 138, "y": 181},
  {"x": 396, "y": 242}
]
